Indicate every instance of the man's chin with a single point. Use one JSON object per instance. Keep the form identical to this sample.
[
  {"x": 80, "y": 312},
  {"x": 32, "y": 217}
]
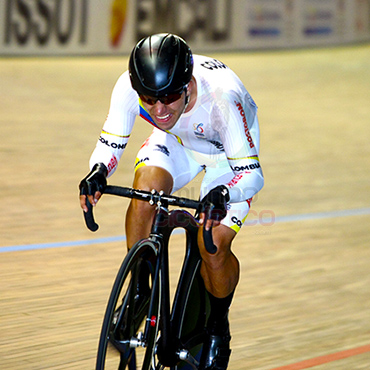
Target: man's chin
[{"x": 165, "y": 124}]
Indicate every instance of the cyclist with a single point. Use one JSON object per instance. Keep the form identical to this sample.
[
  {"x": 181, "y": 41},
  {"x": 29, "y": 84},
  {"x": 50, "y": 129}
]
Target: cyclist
[{"x": 203, "y": 118}]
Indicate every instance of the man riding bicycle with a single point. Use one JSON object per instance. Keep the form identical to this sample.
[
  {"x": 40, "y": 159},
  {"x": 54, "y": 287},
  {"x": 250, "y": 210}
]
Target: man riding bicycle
[{"x": 203, "y": 120}]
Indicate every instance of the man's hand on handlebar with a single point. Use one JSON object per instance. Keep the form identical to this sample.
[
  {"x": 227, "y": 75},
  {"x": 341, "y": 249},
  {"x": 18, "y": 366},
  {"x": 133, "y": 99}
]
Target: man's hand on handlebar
[
  {"x": 93, "y": 185},
  {"x": 214, "y": 206}
]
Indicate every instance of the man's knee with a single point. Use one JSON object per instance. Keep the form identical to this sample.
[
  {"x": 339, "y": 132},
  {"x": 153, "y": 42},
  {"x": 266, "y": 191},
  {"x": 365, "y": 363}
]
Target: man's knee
[
  {"x": 152, "y": 177},
  {"x": 148, "y": 178},
  {"x": 222, "y": 238}
]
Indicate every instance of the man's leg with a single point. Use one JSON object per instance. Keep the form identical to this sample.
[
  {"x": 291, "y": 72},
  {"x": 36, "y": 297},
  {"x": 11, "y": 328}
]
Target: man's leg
[
  {"x": 139, "y": 214},
  {"x": 220, "y": 272}
]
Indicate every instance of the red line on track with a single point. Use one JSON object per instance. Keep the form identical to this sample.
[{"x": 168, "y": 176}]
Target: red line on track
[{"x": 325, "y": 359}]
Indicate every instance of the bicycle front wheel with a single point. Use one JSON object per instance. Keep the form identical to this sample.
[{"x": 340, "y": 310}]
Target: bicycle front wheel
[{"x": 128, "y": 335}]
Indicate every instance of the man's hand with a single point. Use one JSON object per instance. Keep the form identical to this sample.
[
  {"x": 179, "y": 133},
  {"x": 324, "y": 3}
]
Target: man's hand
[
  {"x": 93, "y": 185},
  {"x": 215, "y": 206}
]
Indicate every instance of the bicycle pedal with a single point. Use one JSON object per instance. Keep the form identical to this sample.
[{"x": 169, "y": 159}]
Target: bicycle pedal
[{"x": 136, "y": 342}]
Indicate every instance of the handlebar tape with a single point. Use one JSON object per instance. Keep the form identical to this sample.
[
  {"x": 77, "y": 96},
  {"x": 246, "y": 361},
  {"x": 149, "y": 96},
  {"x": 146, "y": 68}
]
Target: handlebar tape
[
  {"x": 207, "y": 234},
  {"x": 89, "y": 217},
  {"x": 208, "y": 241}
]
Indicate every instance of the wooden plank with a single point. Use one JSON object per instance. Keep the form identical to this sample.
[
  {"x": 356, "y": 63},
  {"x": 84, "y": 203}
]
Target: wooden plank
[{"x": 304, "y": 290}]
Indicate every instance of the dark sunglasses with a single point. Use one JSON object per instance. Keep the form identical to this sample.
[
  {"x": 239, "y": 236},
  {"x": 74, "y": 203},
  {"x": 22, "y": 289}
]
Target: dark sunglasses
[{"x": 167, "y": 99}]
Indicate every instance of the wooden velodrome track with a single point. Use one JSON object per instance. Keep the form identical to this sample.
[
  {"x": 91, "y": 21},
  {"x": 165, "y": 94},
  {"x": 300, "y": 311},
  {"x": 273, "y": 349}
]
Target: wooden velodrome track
[{"x": 304, "y": 296}]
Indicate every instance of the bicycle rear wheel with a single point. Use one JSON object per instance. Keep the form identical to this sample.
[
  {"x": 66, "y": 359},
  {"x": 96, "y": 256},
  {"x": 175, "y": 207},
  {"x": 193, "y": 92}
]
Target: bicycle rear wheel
[{"x": 127, "y": 339}]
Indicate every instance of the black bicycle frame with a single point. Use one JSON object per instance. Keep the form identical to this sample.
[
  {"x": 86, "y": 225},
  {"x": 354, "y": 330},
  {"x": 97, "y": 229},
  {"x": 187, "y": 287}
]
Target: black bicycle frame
[{"x": 172, "y": 322}]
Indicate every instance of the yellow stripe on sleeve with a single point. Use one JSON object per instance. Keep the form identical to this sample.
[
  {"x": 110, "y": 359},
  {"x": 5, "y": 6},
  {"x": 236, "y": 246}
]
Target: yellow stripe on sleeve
[{"x": 108, "y": 133}]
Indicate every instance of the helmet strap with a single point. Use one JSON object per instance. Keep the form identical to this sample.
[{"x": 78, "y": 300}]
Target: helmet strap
[{"x": 187, "y": 97}]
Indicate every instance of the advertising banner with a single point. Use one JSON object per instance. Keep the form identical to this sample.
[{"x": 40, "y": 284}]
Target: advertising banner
[
  {"x": 267, "y": 23},
  {"x": 94, "y": 27},
  {"x": 355, "y": 19},
  {"x": 319, "y": 21},
  {"x": 206, "y": 24},
  {"x": 33, "y": 27}
]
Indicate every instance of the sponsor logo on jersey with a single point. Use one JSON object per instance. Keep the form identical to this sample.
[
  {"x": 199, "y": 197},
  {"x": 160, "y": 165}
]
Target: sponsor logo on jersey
[
  {"x": 236, "y": 221},
  {"x": 246, "y": 129},
  {"x": 213, "y": 64},
  {"x": 145, "y": 143},
  {"x": 253, "y": 166},
  {"x": 140, "y": 162},
  {"x": 235, "y": 180},
  {"x": 112, "y": 164},
  {"x": 112, "y": 145},
  {"x": 163, "y": 149},
  {"x": 217, "y": 144},
  {"x": 198, "y": 130}
]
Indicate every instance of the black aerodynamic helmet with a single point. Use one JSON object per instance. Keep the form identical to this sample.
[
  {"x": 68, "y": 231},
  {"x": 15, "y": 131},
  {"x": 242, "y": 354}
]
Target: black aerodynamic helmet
[{"x": 160, "y": 64}]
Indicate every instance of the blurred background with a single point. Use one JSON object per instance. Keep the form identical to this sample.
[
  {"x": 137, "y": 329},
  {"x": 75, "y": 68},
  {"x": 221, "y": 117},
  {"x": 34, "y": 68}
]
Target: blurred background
[
  {"x": 304, "y": 298},
  {"x": 91, "y": 27}
]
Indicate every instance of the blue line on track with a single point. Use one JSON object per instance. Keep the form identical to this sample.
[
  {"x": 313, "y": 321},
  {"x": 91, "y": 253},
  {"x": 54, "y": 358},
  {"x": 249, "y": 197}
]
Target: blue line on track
[
  {"x": 289, "y": 218},
  {"x": 321, "y": 215}
]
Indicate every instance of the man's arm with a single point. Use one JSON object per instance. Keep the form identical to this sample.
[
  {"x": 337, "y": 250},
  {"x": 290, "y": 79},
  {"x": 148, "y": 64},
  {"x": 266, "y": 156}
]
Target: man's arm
[{"x": 241, "y": 149}]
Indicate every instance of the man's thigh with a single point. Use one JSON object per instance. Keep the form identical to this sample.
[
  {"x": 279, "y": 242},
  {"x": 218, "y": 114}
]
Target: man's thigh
[{"x": 163, "y": 150}]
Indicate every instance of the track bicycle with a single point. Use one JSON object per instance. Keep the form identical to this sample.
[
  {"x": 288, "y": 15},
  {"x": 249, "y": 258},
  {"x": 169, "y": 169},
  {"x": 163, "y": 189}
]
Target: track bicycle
[{"x": 145, "y": 331}]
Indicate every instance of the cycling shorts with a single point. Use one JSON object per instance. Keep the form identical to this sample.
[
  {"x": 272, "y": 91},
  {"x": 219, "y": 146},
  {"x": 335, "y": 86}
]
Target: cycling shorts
[{"x": 163, "y": 150}]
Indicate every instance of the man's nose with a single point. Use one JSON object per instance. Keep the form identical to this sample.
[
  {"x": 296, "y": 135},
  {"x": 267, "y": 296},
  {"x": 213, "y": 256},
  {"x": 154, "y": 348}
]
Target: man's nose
[{"x": 158, "y": 107}]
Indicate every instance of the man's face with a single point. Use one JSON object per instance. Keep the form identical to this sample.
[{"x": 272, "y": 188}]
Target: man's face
[{"x": 164, "y": 114}]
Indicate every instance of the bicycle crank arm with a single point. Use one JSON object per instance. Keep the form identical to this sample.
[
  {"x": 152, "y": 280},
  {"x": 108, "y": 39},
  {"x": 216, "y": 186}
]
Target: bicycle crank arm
[{"x": 185, "y": 355}]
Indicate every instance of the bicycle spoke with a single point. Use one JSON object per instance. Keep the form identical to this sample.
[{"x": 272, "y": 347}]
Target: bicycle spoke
[{"x": 122, "y": 343}]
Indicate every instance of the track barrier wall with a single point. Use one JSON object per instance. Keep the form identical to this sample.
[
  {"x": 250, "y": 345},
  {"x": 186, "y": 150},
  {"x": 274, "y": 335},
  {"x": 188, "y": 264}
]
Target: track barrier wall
[{"x": 97, "y": 27}]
